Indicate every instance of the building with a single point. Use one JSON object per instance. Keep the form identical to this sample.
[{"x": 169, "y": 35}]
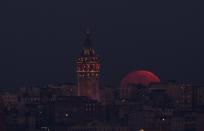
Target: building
[
  {"x": 95, "y": 128},
  {"x": 88, "y": 71},
  {"x": 62, "y": 89},
  {"x": 10, "y": 100},
  {"x": 199, "y": 121},
  {"x": 181, "y": 94},
  {"x": 74, "y": 110},
  {"x": 149, "y": 120},
  {"x": 198, "y": 96},
  {"x": 107, "y": 95}
]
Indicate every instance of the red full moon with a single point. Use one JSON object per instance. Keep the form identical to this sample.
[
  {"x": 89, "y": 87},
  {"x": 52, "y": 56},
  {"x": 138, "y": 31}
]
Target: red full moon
[{"x": 141, "y": 77}]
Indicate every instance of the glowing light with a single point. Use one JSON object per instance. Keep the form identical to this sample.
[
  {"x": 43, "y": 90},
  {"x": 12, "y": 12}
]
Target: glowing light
[
  {"x": 66, "y": 114},
  {"x": 140, "y": 77},
  {"x": 123, "y": 100}
]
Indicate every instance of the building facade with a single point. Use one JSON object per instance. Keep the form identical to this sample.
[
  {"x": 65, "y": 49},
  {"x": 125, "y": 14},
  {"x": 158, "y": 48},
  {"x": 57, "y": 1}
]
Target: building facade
[{"x": 88, "y": 70}]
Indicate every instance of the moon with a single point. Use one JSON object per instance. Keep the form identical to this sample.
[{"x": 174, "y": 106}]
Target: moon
[{"x": 141, "y": 77}]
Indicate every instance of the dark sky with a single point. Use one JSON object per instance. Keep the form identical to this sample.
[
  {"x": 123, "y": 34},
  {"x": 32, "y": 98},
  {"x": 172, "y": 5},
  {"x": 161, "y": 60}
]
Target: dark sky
[{"x": 40, "y": 39}]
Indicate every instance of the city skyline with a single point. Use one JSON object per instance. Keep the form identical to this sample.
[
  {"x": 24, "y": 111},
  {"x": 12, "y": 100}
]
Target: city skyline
[{"x": 110, "y": 65}]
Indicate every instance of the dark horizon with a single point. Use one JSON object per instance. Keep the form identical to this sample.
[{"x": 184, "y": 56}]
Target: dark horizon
[{"x": 40, "y": 40}]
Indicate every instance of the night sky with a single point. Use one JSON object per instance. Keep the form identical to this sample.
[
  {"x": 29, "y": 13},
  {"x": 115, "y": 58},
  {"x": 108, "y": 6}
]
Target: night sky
[{"x": 40, "y": 39}]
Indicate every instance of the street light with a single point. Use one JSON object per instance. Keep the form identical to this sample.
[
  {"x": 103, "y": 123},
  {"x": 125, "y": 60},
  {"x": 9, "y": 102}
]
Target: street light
[{"x": 160, "y": 123}]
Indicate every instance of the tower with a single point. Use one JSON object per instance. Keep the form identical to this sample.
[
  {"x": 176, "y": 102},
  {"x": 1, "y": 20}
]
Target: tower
[{"x": 88, "y": 71}]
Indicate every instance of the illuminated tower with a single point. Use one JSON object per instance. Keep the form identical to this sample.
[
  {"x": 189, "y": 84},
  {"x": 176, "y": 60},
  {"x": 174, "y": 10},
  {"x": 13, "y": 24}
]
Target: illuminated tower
[{"x": 88, "y": 70}]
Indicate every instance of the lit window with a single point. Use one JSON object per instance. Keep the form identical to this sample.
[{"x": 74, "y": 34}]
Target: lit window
[{"x": 67, "y": 115}]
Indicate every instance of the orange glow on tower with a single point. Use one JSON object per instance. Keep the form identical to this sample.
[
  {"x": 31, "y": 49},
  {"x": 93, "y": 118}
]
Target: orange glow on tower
[{"x": 88, "y": 71}]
